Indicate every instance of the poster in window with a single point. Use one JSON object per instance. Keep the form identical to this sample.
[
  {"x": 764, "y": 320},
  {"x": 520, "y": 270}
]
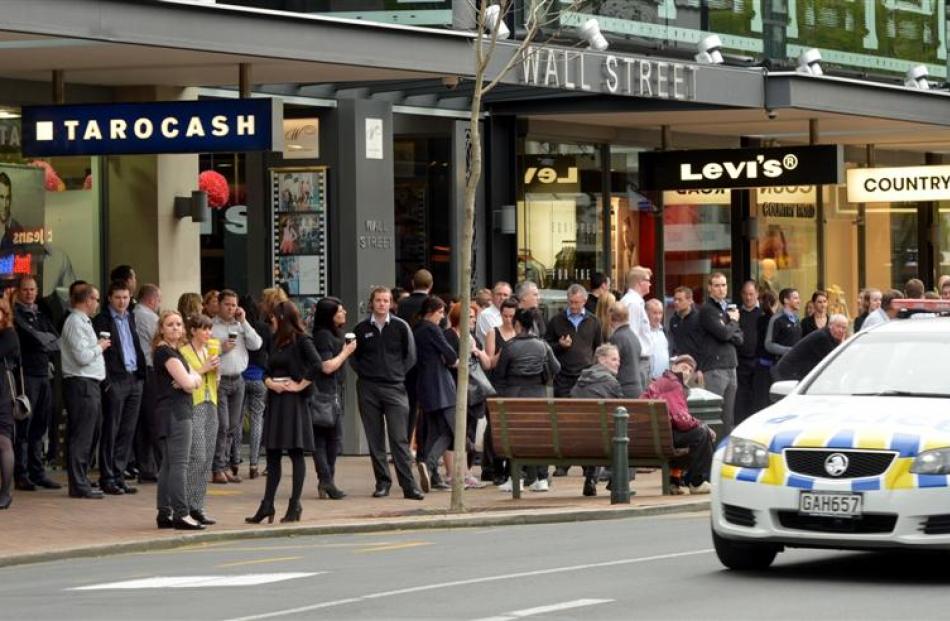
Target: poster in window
[
  {"x": 23, "y": 236},
  {"x": 299, "y": 234}
]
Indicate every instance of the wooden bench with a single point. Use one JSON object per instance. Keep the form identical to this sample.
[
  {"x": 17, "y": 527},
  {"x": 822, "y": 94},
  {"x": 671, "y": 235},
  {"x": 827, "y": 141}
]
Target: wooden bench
[{"x": 565, "y": 432}]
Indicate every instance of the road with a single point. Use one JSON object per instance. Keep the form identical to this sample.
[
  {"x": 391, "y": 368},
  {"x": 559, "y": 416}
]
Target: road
[{"x": 640, "y": 568}]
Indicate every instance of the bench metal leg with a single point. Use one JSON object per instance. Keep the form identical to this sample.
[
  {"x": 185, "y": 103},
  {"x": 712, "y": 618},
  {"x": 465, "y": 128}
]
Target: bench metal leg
[
  {"x": 515, "y": 479},
  {"x": 666, "y": 479}
]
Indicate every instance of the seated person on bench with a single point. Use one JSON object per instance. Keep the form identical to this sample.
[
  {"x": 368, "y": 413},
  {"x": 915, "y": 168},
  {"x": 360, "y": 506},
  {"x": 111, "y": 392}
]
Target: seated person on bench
[
  {"x": 598, "y": 381},
  {"x": 688, "y": 432}
]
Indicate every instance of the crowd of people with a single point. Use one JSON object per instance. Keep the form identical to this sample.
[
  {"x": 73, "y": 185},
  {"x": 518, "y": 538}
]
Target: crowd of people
[{"x": 161, "y": 395}]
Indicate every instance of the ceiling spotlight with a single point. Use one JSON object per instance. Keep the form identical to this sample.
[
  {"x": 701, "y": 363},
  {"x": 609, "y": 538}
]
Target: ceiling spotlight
[
  {"x": 710, "y": 50},
  {"x": 590, "y": 32},
  {"x": 495, "y": 23},
  {"x": 809, "y": 62},
  {"x": 916, "y": 77}
]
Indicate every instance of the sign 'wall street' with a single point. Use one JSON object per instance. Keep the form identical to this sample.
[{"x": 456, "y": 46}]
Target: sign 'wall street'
[
  {"x": 906, "y": 184},
  {"x": 222, "y": 125},
  {"x": 741, "y": 168}
]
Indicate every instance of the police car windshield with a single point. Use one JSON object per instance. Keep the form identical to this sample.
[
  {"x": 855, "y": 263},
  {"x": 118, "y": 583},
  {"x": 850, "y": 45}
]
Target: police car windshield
[{"x": 888, "y": 364}]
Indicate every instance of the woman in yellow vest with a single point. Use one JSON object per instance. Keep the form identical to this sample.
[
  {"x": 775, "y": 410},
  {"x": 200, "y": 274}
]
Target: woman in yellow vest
[{"x": 201, "y": 352}]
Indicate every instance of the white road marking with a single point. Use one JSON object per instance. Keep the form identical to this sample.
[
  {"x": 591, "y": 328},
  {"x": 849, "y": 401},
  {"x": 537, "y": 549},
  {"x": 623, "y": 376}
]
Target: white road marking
[
  {"x": 194, "y": 582},
  {"x": 456, "y": 583},
  {"x": 540, "y": 610}
]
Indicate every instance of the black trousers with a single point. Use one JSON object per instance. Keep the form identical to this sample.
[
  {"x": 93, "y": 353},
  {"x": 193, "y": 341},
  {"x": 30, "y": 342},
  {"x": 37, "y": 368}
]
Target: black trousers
[
  {"x": 415, "y": 420},
  {"x": 145, "y": 446},
  {"x": 384, "y": 409},
  {"x": 84, "y": 414},
  {"x": 699, "y": 461},
  {"x": 745, "y": 391},
  {"x": 120, "y": 416},
  {"x": 30, "y": 432},
  {"x": 326, "y": 441}
]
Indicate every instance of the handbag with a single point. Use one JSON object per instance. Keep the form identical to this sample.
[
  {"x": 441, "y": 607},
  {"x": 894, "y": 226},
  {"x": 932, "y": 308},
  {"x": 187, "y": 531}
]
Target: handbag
[
  {"x": 325, "y": 409},
  {"x": 479, "y": 387},
  {"x": 22, "y": 409}
]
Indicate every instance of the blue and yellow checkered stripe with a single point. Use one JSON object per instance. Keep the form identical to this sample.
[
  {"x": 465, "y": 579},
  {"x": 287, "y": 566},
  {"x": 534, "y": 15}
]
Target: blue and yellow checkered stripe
[{"x": 898, "y": 476}]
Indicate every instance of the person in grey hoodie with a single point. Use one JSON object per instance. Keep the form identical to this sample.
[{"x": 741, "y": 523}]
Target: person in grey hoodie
[{"x": 598, "y": 381}]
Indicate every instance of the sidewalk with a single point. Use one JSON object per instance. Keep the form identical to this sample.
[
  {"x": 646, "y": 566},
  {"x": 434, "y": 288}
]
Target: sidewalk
[{"x": 45, "y": 525}]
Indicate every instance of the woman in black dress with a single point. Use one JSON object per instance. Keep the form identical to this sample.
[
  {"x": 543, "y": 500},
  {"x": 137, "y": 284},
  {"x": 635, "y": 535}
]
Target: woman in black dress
[
  {"x": 10, "y": 359},
  {"x": 819, "y": 318},
  {"x": 291, "y": 367},
  {"x": 435, "y": 390},
  {"x": 328, "y": 321},
  {"x": 174, "y": 412}
]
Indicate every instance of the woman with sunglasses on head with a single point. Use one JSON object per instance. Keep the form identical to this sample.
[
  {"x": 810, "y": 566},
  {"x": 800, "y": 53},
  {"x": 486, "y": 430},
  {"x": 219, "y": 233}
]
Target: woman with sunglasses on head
[
  {"x": 328, "y": 322},
  {"x": 174, "y": 383},
  {"x": 291, "y": 367}
]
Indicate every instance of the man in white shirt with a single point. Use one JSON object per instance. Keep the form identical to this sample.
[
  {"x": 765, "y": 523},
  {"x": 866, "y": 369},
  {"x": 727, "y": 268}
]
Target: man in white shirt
[
  {"x": 84, "y": 369},
  {"x": 237, "y": 337},
  {"x": 638, "y": 285},
  {"x": 659, "y": 343},
  {"x": 490, "y": 318},
  {"x": 146, "y": 324}
]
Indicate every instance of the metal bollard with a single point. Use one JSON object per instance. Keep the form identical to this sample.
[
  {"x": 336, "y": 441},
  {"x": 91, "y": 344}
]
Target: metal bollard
[{"x": 620, "y": 477}]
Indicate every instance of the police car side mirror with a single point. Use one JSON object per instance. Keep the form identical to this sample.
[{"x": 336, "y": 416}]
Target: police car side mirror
[{"x": 781, "y": 389}]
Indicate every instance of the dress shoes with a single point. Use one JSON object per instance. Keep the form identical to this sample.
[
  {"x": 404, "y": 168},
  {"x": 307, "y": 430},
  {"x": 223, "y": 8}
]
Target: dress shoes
[
  {"x": 164, "y": 520},
  {"x": 5, "y": 501},
  {"x": 128, "y": 489},
  {"x": 112, "y": 489},
  {"x": 91, "y": 494},
  {"x": 47, "y": 483},
  {"x": 413, "y": 494},
  {"x": 202, "y": 518},
  {"x": 233, "y": 476},
  {"x": 24, "y": 484},
  {"x": 220, "y": 478},
  {"x": 147, "y": 477},
  {"x": 186, "y": 523},
  {"x": 590, "y": 486},
  {"x": 382, "y": 490}
]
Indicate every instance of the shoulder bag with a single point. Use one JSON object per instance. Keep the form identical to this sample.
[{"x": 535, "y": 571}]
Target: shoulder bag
[
  {"x": 324, "y": 409},
  {"x": 479, "y": 387},
  {"x": 22, "y": 409}
]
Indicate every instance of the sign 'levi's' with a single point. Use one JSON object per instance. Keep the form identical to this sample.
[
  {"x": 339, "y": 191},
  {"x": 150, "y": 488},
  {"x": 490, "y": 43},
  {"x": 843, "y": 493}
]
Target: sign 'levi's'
[{"x": 741, "y": 168}]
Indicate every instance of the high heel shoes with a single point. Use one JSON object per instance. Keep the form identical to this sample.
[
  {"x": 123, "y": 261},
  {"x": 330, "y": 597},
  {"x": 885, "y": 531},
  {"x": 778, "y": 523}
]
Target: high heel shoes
[
  {"x": 331, "y": 491},
  {"x": 5, "y": 501},
  {"x": 264, "y": 511},
  {"x": 294, "y": 509}
]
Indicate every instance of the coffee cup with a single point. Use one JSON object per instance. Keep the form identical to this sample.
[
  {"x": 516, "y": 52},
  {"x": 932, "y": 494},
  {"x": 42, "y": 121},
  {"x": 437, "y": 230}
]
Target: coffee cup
[
  {"x": 731, "y": 307},
  {"x": 105, "y": 335},
  {"x": 349, "y": 337},
  {"x": 232, "y": 336}
]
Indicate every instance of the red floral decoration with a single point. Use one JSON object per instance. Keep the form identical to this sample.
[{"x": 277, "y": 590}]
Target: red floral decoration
[
  {"x": 51, "y": 182},
  {"x": 216, "y": 186}
]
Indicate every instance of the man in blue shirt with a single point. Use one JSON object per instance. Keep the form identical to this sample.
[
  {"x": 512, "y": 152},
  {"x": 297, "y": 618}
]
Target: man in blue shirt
[{"x": 125, "y": 375}]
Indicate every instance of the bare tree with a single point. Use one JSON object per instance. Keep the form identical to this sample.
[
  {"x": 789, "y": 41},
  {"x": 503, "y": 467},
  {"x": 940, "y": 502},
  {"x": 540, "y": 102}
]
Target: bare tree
[{"x": 536, "y": 16}]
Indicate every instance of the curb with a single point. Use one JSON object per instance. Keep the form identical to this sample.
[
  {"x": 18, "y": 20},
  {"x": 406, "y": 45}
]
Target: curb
[{"x": 441, "y": 521}]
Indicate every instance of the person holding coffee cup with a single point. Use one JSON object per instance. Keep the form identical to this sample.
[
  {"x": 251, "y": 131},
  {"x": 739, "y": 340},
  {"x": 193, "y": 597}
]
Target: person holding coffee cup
[
  {"x": 329, "y": 319},
  {"x": 237, "y": 338}
]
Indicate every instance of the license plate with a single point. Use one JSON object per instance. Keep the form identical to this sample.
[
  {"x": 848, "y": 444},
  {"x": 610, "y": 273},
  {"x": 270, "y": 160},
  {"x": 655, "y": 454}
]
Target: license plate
[{"x": 830, "y": 504}]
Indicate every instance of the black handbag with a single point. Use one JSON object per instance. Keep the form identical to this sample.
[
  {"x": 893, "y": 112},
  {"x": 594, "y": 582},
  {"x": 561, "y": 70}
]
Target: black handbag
[
  {"x": 22, "y": 409},
  {"x": 325, "y": 409},
  {"x": 479, "y": 387}
]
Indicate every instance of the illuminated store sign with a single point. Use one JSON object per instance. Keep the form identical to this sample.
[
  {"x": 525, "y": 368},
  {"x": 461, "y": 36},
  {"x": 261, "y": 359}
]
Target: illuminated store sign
[
  {"x": 741, "y": 168},
  {"x": 697, "y": 197},
  {"x": 899, "y": 185},
  {"x": 226, "y": 125}
]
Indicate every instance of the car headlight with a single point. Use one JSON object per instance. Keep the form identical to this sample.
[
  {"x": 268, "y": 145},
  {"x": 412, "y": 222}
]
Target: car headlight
[
  {"x": 936, "y": 461},
  {"x": 746, "y": 454}
]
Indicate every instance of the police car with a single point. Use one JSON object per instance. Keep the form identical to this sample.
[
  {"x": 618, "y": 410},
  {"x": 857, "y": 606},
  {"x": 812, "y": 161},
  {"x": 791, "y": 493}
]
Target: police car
[{"x": 856, "y": 456}]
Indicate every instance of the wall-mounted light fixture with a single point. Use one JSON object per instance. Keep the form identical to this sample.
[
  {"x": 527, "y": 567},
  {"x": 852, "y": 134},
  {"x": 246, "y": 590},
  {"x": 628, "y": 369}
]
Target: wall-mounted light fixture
[
  {"x": 194, "y": 206},
  {"x": 809, "y": 62},
  {"x": 590, "y": 32},
  {"x": 494, "y": 22},
  {"x": 916, "y": 77},
  {"x": 710, "y": 50}
]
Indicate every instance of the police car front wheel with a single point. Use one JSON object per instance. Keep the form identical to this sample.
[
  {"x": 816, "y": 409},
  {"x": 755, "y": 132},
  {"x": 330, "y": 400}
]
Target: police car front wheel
[{"x": 744, "y": 555}]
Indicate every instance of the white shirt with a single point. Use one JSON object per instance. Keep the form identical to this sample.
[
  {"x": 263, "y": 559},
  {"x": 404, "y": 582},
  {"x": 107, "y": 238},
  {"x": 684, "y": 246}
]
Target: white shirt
[
  {"x": 660, "y": 356},
  {"x": 234, "y": 362},
  {"x": 875, "y": 319},
  {"x": 639, "y": 323},
  {"x": 488, "y": 320},
  {"x": 81, "y": 355}
]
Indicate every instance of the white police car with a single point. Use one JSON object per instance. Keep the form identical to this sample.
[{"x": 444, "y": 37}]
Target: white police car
[{"x": 856, "y": 456}]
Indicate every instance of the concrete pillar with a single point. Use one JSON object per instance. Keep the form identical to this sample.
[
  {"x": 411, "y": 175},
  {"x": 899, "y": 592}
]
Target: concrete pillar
[
  {"x": 142, "y": 229},
  {"x": 363, "y": 220}
]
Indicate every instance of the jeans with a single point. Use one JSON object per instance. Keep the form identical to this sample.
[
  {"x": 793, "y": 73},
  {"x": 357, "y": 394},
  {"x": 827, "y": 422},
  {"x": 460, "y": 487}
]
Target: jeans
[
  {"x": 172, "y": 493},
  {"x": 120, "y": 416},
  {"x": 230, "y": 410},
  {"x": 255, "y": 400},
  {"x": 326, "y": 448}
]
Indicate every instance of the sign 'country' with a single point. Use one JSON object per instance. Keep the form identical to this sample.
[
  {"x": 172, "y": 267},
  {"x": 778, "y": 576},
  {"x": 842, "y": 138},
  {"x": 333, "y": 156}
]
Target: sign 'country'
[
  {"x": 156, "y": 127},
  {"x": 905, "y": 184}
]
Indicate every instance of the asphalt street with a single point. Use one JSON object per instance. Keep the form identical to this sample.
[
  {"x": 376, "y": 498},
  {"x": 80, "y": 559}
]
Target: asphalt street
[{"x": 640, "y": 568}]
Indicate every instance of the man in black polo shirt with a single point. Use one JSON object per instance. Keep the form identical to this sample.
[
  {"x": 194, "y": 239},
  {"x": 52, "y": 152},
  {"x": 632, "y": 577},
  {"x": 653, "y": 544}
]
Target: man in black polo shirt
[{"x": 385, "y": 351}]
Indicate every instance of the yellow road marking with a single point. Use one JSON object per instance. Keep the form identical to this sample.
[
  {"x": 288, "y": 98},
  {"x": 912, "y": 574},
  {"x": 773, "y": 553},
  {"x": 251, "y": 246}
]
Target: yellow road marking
[
  {"x": 259, "y": 561},
  {"x": 222, "y": 492},
  {"x": 394, "y": 546}
]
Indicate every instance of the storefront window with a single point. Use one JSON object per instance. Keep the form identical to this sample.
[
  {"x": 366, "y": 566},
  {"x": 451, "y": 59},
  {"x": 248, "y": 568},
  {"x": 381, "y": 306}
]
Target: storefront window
[
  {"x": 785, "y": 247},
  {"x": 891, "y": 244},
  {"x": 632, "y": 217},
  {"x": 697, "y": 236},
  {"x": 224, "y": 248},
  {"x": 560, "y": 215},
  {"x": 943, "y": 241},
  {"x": 841, "y": 251}
]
